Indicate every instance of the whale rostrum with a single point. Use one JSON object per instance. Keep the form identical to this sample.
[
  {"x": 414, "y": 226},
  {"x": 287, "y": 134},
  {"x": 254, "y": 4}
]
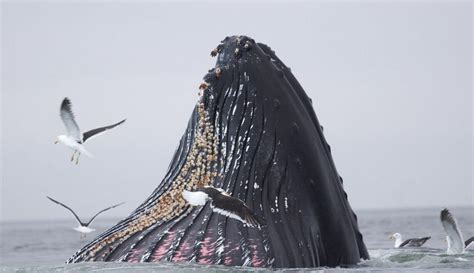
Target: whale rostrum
[{"x": 253, "y": 134}]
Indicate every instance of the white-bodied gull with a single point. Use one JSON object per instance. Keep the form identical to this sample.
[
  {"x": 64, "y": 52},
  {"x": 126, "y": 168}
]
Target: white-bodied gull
[
  {"x": 456, "y": 243},
  {"x": 83, "y": 228},
  {"x": 223, "y": 203},
  {"x": 412, "y": 242},
  {"x": 74, "y": 138}
]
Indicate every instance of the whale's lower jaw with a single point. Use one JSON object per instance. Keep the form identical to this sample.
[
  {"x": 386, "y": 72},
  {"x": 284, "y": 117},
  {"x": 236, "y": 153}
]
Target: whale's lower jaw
[{"x": 254, "y": 134}]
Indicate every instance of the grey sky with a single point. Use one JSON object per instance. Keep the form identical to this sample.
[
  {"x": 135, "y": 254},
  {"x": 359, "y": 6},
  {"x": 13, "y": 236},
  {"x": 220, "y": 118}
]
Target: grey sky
[{"x": 390, "y": 82}]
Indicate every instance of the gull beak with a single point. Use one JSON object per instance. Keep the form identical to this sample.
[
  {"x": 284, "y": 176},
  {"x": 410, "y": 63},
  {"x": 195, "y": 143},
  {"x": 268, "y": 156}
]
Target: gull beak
[
  {"x": 391, "y": 237},
  {"x": 56, "y": 141}
]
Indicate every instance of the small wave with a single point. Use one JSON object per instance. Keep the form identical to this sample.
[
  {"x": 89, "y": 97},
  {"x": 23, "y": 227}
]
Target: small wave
[
  {"x": 382, "y": 260},
  {"x": 417, "y": 258},
  {"x": 118, "y": 267}
]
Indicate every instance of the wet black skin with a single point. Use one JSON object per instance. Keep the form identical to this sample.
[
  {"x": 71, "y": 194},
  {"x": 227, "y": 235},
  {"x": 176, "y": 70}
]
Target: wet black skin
[{"x": 274, "y": 157}]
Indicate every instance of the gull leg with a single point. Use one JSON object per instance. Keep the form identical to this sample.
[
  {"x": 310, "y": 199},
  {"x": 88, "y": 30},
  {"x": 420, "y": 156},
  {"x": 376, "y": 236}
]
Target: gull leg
[
  {"x": 72, "y": 157},
  {"x": 77, "y": 158}
]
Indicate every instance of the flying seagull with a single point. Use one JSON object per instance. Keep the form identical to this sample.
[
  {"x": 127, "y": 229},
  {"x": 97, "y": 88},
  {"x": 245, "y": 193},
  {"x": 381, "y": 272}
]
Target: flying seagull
[
  {"x": 456, "y": 244},
  {"x": 74, "y": 139},
  {"x": 83, "y": 228},
  {"x": 413, "y": 242},
  {"x": 223, "y": 203}
]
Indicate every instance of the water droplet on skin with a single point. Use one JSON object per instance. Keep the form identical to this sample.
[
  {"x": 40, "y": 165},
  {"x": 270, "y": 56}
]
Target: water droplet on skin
[
  {"x": 296, "y": 128},
  {"x": 299, "y": 164},
  {"x": 276, "y": 104}
]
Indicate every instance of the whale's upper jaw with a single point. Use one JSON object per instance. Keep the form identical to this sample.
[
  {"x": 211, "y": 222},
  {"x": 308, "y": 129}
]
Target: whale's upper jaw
[
  {"x": 270, "y": 153},
  {"x": 230, "y": 52},
  {"x": 232, "y": 49}
]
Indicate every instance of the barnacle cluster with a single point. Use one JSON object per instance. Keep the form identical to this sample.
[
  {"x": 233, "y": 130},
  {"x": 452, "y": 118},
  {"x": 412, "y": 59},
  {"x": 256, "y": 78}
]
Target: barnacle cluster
[{"x": 199, "y": 169}]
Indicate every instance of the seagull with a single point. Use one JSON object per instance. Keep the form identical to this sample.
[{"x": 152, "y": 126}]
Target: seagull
[
  {"x": 83, "y": 228},
  {"x": 223, "y": 203},
  {"x": 456, "y": 244},
  {"x": 74, "y": 139},
  {"x": 413, "y": 242}
]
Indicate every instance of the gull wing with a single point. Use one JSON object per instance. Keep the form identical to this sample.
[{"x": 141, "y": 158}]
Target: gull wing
[
  {"x": 405, "y": 243},
  {"x": 68, "y": 208},
  {"x": 106, "y": 209},
  {"x": 415, "y": 242},
  {"x": 95, "y": 132},
  {"x": 69, "y": 121},
  {"x": 469, "y": 242},
  {"x": 455, "y": 241},
  {"x": 235, "y": 208}
]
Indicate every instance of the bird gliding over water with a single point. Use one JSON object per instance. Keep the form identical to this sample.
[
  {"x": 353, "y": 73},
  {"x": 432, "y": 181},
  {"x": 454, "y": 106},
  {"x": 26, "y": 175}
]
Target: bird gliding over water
[{"x": 83, "y": 228}]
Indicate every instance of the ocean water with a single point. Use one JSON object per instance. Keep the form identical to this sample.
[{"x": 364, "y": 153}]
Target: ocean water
[{"x": 44, "y": 246}]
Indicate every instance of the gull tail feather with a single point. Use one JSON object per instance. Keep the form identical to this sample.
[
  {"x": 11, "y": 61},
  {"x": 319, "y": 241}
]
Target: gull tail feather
[{"x": 83, "y": 150}]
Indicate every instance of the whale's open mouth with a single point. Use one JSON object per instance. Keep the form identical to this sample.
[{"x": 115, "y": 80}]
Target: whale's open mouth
[{"x": 254, "y": 134}]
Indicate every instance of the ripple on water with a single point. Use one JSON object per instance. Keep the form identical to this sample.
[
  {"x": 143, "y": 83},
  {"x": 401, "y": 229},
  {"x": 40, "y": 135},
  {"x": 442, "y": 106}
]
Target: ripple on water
[
  {"x": 418, "y": 258},
  {"x": 383, "y": 260}
]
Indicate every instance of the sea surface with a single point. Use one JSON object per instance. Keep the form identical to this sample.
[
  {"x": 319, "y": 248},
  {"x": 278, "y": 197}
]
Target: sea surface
[{"x": 44, "y": 246}]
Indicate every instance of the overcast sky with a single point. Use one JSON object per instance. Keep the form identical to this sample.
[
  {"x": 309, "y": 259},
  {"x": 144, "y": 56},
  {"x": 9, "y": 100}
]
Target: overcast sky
[{"x": 391, "y": 83}]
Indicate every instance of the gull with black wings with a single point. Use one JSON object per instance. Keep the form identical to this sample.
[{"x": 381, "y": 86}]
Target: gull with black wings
[
  {"x": 74, "y": 138},
  {"x": 454, "y": 238},
  {"x": 224, "y": 204},
  {"x": 83, "y": 227},
  {"x": 412, "y": 242}
]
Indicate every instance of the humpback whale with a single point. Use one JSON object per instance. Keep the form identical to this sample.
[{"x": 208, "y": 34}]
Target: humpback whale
[{"x": 254, "y": 134}]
